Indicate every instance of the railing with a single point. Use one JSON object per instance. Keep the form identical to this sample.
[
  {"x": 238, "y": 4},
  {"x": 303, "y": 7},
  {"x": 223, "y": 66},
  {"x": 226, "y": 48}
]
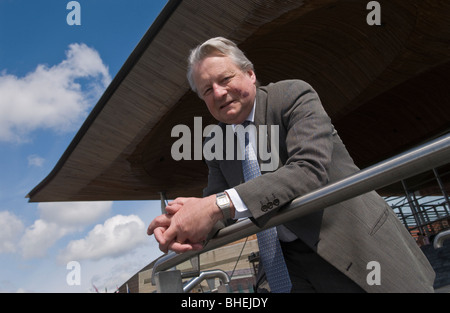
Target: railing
[
  {"x": 427, "y": 216},
  {"x": 205, "y": 275},
  {"x": 440, "y": 238},
  {"x": 423, "y": 158}
]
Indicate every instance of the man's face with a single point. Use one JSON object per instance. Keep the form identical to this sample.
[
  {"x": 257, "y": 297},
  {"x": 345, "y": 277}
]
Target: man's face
[{"x": 229, "y": 93}]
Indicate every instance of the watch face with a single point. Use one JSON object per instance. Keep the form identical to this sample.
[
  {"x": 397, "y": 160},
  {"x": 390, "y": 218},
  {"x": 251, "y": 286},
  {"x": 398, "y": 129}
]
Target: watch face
[{"x": 222, "y": 201}]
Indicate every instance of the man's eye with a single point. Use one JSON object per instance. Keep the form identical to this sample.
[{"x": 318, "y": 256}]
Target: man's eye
[{"x": 207, "y": 91}]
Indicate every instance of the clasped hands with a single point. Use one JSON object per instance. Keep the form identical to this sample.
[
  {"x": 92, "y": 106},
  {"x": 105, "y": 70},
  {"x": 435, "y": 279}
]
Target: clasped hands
[{"x": 186, "y": 224}]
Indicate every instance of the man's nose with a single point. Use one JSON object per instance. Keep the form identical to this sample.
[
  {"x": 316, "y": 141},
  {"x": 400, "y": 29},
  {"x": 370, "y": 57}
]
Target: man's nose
[{"x": 219, "y": 91}]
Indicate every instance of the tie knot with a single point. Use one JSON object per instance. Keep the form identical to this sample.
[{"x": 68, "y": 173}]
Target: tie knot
[{"x": 246, "y": 123}]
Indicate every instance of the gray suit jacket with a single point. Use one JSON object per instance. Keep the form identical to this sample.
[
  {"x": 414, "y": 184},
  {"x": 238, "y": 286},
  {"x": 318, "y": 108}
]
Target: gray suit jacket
[{"x": 348, "y": 235}]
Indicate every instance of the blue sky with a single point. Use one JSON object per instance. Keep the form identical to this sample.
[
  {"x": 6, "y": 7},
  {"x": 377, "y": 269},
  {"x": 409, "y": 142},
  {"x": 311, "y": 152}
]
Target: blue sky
[{"x": 51, "y": 76}]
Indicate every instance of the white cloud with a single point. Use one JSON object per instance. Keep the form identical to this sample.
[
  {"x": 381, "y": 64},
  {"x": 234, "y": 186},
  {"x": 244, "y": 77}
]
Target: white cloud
[
  {"x": 57, "y": 220},
  {"x": 11, "y": 227},
  {"x": 39, "y": 237},
  {"x": 35, "y": 160},
  {"x": 117, "y": 236},
  {"x": 74, "y": 214},
  {"x": 51, "y": 97}
]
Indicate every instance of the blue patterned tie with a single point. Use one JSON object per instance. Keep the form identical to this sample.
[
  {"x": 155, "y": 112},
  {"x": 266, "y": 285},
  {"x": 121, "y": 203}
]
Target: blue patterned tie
[{"x": 269, "y": 245}]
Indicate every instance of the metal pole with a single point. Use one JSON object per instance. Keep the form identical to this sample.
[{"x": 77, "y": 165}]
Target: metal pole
[
  {"x": 415, "y": 213},
  {"x": 163, "y": 197},
  {"x": 441, "y": 186}
]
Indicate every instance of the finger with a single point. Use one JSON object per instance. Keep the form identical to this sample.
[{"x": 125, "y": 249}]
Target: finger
[
  {"x": 159, "y": 235},
  {"x": 178, "y": 247},
  {"x": 170, "y": 235},
  {"x": 160, "y": 221},
  {"x": 197, "y": 246},
  {"x": 173, "y": 208},
  {"x": 163, "y": 248},
  {"x": 157, "y": 222},
  {"x": 175, "y": 205},
  {"x": 179, "y": 200}
]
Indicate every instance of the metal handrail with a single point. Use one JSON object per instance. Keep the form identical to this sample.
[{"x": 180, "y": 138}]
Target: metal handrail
[
  {"x": 438, "y": 241},
  {"x": 207, "y": 275},
  {"x": 415, "y": 161}
]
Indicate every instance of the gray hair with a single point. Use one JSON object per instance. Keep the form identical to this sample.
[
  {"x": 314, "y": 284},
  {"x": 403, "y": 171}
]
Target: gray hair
[{"x": 216, "y": 45}]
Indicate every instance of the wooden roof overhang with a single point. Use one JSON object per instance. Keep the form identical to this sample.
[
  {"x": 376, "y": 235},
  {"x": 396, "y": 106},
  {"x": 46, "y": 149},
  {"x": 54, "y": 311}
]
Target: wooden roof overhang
[{"x": 385, "y": 88}]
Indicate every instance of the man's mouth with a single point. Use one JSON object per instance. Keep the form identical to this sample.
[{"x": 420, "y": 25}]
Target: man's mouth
[{"x": 226, "y": 104}]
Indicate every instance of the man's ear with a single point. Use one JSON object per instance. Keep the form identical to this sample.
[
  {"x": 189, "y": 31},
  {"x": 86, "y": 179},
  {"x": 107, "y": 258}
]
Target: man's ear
[{"x": 252, "y": 75}]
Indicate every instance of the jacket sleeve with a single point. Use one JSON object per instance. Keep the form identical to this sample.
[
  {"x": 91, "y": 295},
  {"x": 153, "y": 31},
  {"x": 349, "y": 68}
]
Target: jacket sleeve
[{"x": 305, "y": 149}]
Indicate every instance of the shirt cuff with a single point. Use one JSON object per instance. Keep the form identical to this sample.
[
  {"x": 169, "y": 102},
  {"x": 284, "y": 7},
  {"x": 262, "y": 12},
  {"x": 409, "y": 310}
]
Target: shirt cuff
[{"x": 241, "y": 210}]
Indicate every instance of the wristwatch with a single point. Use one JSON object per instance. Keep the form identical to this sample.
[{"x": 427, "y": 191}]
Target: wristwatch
[{"x": 224, "y": 204}]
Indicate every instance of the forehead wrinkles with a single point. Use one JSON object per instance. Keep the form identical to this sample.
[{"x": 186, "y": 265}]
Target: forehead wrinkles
[{"x": 210, "y": 69}]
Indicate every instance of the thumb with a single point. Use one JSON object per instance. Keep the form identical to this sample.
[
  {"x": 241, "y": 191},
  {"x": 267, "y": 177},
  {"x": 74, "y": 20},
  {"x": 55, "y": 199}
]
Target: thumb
[
  {"x": 173, "y": 208},
  {"x": 170, "y": 234}
]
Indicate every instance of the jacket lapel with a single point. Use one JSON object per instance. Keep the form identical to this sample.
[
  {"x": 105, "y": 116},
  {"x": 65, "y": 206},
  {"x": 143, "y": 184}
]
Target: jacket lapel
[
  {"x": 261, "y": 108},
  {"x": 261, "y": 120}
]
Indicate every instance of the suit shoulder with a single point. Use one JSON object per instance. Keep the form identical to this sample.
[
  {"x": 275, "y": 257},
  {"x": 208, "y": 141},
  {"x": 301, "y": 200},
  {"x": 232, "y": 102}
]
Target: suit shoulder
[
  {"x": 287, "y": 84},
  {"x": 288, "y": 91}
]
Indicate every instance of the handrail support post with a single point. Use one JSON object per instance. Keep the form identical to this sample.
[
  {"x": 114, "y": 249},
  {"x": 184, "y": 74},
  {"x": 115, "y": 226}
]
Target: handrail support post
[{"x": 169, "y": 282}]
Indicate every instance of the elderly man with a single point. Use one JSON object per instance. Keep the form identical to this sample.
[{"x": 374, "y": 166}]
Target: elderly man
[{"x": 328, "y": 251}]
